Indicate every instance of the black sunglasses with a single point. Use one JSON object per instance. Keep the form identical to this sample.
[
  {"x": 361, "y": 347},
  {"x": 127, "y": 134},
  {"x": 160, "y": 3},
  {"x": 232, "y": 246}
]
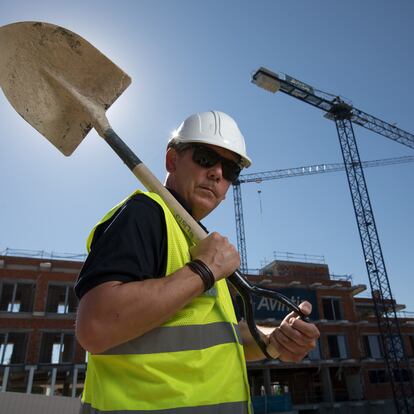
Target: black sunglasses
[{"x": 206, "y": 157}]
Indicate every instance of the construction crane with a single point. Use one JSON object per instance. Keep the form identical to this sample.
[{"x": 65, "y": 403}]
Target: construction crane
[
  {"x": 289, "y": 173},
  {"x": 345, "y": 115}
]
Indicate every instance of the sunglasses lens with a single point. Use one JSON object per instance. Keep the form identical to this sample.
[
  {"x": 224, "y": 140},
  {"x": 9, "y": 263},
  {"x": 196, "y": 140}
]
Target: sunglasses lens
[
  {"x": 206, "y": 157},
  {"x": 231, "y": 170}
]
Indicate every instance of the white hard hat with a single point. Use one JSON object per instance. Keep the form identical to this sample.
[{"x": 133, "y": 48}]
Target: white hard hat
[{"x": 215, "y": 128}]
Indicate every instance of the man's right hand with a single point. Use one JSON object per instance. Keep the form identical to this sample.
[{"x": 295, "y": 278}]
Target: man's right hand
[{"x": 218, "y": 254}]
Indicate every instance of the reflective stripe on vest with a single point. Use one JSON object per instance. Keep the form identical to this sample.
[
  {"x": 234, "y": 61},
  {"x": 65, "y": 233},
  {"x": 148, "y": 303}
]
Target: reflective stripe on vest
[
  {"x": 178, "y": 338},
  {"x": 240, "y": 407}
]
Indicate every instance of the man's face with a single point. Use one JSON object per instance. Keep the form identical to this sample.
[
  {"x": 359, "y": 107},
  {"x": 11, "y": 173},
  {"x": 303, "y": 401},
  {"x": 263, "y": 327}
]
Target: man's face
[{"x": 202, "y": 188}]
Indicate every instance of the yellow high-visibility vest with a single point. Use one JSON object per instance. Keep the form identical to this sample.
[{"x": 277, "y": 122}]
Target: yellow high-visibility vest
[{"x": 192, "y": 364}]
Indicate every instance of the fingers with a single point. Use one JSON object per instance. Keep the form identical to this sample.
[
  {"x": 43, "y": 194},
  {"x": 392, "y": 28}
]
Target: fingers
[
  {"x": 277, "y": 350},
  {"x": 305, "y": 328},
  {"x": 305, "y": 307},
  {"x": 291, "y": 344},
  {"x": 218, "y": 254},
  {"x": 294, "y": 338}
]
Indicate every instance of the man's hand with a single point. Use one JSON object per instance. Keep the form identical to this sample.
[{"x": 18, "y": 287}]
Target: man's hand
[
  {"x": 218, "y": 254},
  {"x": 294, "y": 338}
]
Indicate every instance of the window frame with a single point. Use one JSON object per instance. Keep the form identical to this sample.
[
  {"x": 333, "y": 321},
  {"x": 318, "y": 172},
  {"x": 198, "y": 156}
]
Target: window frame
[
  {"x": 333, "y": 299},
  {"x": 68, "y": 287},
  {"x": 368, "y": 348},
  {"x": 61, "y": 334},
  {"x": 6, "y": 342},
  {"x": 345, "y": 346},
  {"x": 15, "y": 283}
]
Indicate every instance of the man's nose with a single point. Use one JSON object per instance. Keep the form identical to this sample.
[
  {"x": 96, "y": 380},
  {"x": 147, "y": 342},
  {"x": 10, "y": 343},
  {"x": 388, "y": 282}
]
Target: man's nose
[{"x": 215, "y": 172}]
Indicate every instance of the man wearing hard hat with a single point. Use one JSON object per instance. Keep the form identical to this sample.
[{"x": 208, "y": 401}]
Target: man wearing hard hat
[{"x": 155, "y": 312}]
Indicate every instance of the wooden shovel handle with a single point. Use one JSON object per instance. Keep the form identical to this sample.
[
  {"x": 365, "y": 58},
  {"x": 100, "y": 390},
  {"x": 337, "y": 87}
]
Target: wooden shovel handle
[{"x": 184, "y": 219}]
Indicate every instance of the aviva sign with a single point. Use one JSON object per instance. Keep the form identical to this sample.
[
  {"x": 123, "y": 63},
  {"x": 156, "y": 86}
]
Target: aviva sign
[{"x": 266, "y": 308}]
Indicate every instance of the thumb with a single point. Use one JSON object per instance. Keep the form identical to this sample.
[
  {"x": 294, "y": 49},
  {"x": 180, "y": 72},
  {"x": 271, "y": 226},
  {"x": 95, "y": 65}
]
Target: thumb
[{"x": 305, "y": 307}]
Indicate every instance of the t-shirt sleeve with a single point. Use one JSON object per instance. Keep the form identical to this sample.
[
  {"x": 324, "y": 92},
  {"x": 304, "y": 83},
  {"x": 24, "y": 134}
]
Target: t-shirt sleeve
[{"x": 131, "y": 246}]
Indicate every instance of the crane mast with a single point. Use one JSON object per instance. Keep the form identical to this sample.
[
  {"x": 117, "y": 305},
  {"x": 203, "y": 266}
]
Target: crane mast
[
  {"x": 241, "y": 239},
  {"x": 344, "y": 114}
]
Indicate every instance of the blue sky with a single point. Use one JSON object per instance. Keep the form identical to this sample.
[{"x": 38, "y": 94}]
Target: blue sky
[{"x": 189, "y": 56}]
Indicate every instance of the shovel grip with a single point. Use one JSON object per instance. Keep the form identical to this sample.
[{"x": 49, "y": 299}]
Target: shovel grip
[{"x": 122, "y": 149}]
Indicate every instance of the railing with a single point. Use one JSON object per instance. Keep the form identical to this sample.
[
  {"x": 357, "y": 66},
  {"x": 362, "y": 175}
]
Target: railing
[
  {"x": 364, "y": 295},
  {"x": 346, "y": 278},
  {"x": 297, "y": 257},
  {"x": 253, "y": 271},
  {"x": 42, "y": 254},
  {"x": 46, "y": 379},
  {"x": 400, "y": 314},
  {"x": 405, "y": 314}
]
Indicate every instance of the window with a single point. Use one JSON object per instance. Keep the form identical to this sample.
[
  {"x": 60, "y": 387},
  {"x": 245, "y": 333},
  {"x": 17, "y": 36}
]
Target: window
[
  {"x": 57, "y": 347},
  {"x": 61, "y": 299},
  {"x": 16, "y": 297},
  {"x": 331, "y": 309},
  {"x": 377, "y": 376},
  {"x": 373, "y": 346},
  {"x": 337, "y": 346},
  {"x": 12, "y": 348}
]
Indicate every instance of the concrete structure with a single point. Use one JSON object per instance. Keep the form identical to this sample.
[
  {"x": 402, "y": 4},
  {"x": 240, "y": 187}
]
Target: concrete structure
[{"x": 40, "y": 355}]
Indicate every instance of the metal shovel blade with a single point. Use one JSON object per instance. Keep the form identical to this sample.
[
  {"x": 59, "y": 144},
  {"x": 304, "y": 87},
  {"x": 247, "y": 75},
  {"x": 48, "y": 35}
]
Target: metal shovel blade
[{"x": 32, "y": 56}]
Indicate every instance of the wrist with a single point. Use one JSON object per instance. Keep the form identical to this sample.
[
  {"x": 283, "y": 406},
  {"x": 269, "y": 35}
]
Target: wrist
[{"x": 203, "y": 271}]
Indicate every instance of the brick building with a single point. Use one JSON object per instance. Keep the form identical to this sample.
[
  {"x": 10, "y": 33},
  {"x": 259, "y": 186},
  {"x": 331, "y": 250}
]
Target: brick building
[
  {"x": 38, "y": 350},
  {"x": 39, "y": 353}
]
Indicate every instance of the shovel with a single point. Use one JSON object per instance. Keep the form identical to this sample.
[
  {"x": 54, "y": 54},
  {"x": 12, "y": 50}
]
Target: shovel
[{"x": 62, "y": 86}]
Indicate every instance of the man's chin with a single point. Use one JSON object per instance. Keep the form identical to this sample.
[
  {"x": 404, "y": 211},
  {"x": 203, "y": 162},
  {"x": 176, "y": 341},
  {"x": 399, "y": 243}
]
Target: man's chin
[
  {"x": 206, "y": 192},
  {"x": 203, "y": 206}
]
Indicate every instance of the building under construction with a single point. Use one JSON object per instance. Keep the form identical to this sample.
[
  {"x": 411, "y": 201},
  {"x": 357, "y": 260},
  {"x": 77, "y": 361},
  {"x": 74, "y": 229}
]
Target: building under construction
[{"x": 39, "y": 353}]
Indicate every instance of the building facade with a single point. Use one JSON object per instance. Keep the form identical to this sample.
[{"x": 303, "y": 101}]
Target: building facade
[
  {"x": 347, "y": 370},
  {"x": 39, "y": 353}
]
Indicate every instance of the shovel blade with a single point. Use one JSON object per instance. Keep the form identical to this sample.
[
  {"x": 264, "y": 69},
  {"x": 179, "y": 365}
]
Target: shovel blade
[{"x": 29, "y": 53}]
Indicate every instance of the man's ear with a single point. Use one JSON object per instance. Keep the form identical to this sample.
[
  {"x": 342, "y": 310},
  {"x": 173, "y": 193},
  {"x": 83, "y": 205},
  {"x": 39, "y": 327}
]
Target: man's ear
[{"x": 171, "y": 160}]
